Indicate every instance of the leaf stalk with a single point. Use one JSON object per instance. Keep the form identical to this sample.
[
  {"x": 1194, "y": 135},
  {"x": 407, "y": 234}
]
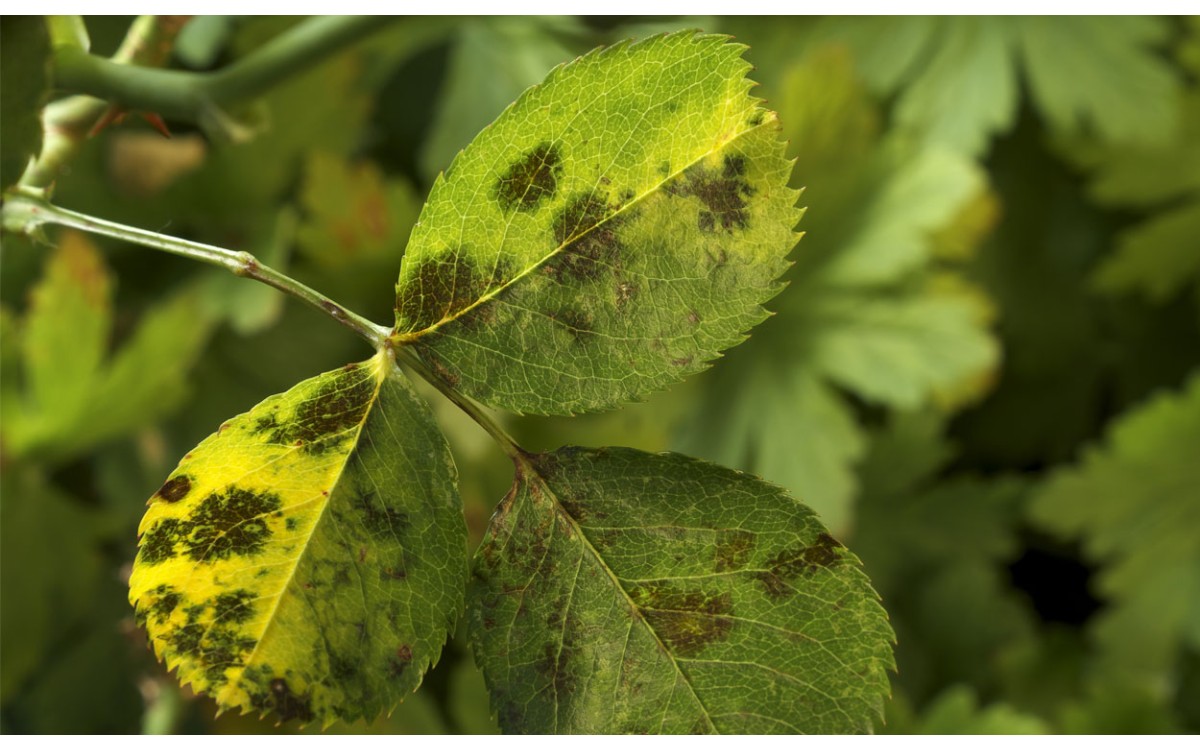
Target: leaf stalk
[{"x": 25, "y": 213}]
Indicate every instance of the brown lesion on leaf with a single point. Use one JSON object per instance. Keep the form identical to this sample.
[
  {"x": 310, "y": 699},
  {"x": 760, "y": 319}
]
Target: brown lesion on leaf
[
  {"x": 722, "y": 192},
  {"x": 338, "y": 405},
  {"x": 443, "y": 286},
  {"x": 229, "y": 522},
  {"x": 734, "y": 547},
  {"x": 824, "y": 552},
  {"x": 577, "y": 322},
  {"x": 400, "y": 661},
  {"x": 685, "y": 620},
  {"x": 587, "y": 231},
  {"x": 175, "y": 489},
  {"x": 235, "y": 606},
  {"x": 531, "y": 179}
]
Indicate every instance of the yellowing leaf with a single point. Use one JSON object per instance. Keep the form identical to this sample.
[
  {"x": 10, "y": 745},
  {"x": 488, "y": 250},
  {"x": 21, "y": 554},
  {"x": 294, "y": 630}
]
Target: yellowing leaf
[
  {"x": 308, "y": 559},
  {"x": 609, "y": 234},
  {"x": 621, "y": 591}
]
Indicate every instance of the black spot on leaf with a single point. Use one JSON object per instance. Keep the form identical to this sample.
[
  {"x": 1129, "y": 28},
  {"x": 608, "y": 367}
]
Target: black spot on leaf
[
  {"x": 531, "y": 179},
  {"x": 824, "y": 552},
  {"x": 322, "y": 419},
  {"x": 378, "y": 518},
  {"x": 165, "y": 603},
  {"x": 175, "y": 489},
  {"x": 230, "y": 522},
  {"x": 400, "y": 661},
  {"x": 723, "y": 192},
  {"x": 577, "y": 322},
  {"x": 733, "y": 549},
  {"x": 687, "y": 621},
  {"x": 286, "y": 704},
  {"x": 442, "y": 287},
  {"x": 158, "y": 543},
  {"x": 587, "y": 231},
  {"x": 236, "y": 606}
]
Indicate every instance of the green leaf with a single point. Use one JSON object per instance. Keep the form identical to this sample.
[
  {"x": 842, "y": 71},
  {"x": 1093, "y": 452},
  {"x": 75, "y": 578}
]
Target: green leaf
[
  {"x": 1158, "y": 257},
  {"x": 1101, "y": 72},
  {"x": 611, "y": 233},
  {"x": 47, "y": 587},
  {"x": 309, "y": 558},
  {"x": 620, "y": 591},
  {"x": 1133, "y": 503},
  {"x": 955, "y": 79},
  {"x": 897, "y": 350},
  {"x": 354, "y": 213},
  {"x": 75, "y": 395},
  {"x": 957, "y": 711}
]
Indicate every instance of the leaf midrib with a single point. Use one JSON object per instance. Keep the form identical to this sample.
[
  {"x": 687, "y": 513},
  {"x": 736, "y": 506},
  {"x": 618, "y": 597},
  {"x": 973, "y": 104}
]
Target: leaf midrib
[
  {"x": 271, "y": 620},
  {"x": 413, "y": 336},
  {"x": 633, "y": 607}
]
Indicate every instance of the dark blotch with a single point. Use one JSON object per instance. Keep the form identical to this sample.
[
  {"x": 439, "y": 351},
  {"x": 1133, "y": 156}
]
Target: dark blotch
[
  {"x": 577, "y": 322},
  {"x": 230, "y": 522},
  {"x": 337, "y": 407},
  {"x": 723, "y": 193},
  {"x": 175, "y": 489},
  {"x": 530, "y": 180},
  {"x": 824, "y": 552},
  {"x": 236, "y": 606},
  {"x": 686, "y": 620},
  {"x": 378, "y": 518},
  {"x": 162, "y": 608},
  {"x": 587, "y": 232},
  {"x": 398, "y": 662},
  {"x": 158, "y": 543},
  {"x": 733, "y": 549},
  {"x": 286, "y": 704},
  {"x": 443, "y": 286}
]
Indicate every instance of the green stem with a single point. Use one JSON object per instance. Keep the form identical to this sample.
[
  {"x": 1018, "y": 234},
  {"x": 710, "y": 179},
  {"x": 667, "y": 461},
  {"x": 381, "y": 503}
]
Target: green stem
[
  {"x": 196, "y": 97},
  {"x": 24, "y": 213},
  {"x": 67, "y": 122},
  {"x": 464, "y": 402}
]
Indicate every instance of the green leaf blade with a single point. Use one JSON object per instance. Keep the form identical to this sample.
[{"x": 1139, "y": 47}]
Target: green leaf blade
[
  {"x": 308, "y": 559},
  {"x": 619, "y": 591},
  {"x": 583, "y": 222}
]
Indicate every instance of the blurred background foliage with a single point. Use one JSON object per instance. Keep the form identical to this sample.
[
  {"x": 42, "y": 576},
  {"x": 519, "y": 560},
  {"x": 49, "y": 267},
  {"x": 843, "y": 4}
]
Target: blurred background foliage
[{"x": 984, "y": 374}]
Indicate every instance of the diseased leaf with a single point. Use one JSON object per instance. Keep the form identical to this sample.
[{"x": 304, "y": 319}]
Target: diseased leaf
[
  {"x": 620, "y": 591},
  {"x": 609, "y": 234},
  {"x": 309, "y": 558}
]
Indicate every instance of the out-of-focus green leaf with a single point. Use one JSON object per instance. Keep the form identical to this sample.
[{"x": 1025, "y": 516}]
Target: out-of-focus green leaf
[
  {"x": 72, "y": 397},
  {"x": 493, "y": 60},
  {"x": 470, "y": 704},
  {"x": 956, "y": 78},
  {"x": 730, "y": 607},
  {"x": 353, "y": 213},
  {"x": 958, "y": 711},
  {"x": 48, "y": 572},
  {"x": 1133, "y": 503},
  {"x": 24, "y": 56},
  {"x": 610, "y": 234}
]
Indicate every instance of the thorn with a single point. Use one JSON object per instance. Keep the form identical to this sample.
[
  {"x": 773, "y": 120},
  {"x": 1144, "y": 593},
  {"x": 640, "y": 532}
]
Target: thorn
[
  {"x": 113, "y": 114},
  {"x": 156, "y": 121}
]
